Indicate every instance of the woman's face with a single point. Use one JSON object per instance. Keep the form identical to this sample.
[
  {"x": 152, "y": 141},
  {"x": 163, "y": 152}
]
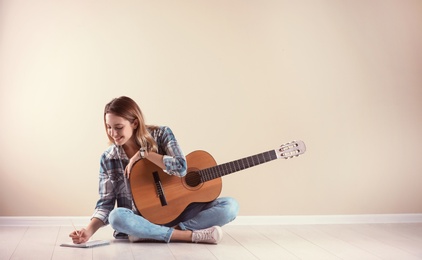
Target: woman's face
[{"x": 119, "y": 129}]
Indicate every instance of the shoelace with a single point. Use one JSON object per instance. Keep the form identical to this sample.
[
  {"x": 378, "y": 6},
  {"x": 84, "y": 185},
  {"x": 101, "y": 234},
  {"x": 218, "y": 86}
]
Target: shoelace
[{"x": 203, "y": 235}]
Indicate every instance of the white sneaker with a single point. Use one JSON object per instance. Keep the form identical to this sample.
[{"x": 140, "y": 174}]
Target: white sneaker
[{"x": 211, "y": 235}]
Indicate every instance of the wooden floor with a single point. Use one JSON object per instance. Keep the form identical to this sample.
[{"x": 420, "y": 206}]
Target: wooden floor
[{"x": 357, "y": 242}]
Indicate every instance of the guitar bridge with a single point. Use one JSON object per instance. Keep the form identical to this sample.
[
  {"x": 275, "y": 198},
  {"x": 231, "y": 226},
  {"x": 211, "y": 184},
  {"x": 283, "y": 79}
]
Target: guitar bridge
[{"x": 159, "y": 188}]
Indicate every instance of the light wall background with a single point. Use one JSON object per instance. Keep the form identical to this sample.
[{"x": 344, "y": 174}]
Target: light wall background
[{"x": 234, "y": 78}]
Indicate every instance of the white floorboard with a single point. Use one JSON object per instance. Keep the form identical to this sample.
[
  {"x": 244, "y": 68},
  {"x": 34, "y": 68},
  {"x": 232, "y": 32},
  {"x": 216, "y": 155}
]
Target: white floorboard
[{"x": 402, "y": 241}]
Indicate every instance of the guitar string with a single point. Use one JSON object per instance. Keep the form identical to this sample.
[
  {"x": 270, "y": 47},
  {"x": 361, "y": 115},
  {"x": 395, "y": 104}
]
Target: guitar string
[{"x": 238, "y": 165}]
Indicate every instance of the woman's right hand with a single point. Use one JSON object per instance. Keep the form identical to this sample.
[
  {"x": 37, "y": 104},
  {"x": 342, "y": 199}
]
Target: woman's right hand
[
  {"x": 79, "y": 236},
  {"x": 132, "y": 161}
]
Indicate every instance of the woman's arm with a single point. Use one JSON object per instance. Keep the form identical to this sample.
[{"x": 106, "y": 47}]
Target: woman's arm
[{"x": 104, "y": 205}]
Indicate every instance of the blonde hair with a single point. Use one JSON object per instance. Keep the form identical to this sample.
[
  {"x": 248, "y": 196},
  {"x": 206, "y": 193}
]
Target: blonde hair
[{"x": 128, "y": 109}]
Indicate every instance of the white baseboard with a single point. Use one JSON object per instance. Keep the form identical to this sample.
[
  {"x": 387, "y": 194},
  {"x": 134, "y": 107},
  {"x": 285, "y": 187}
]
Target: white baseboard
[
  {"x": 328, "y": 219},
  {"x": 240, "y": 220},
  {"x": 43, "y": 221}
]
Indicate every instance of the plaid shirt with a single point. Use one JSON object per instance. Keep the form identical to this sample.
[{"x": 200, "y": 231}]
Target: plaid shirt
[{"x": 114, "y": 187}]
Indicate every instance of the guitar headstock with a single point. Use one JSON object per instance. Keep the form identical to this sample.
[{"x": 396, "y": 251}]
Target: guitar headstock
[{"x": 290, "y": 150}]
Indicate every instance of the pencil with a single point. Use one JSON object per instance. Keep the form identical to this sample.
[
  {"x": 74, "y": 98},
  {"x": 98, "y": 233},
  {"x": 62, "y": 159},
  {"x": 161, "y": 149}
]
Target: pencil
[{"x": 77, "y": 232}]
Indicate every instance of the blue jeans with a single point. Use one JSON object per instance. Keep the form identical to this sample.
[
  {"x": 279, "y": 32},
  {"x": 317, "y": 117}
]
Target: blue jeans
[{"x": 216, "y": 213}]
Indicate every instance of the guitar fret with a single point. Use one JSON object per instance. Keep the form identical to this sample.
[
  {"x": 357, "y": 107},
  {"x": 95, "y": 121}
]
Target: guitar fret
[
  {"x": 226, "y": 169},
  {"x": 244, "y": 166},
  {"x": 245, "y": 163},
  {"x": 238, "y": 165},
  {"x": 223, "y": 169},
  {"x": 250, "y": 159},
  {"x": 203, "y": 176},
  {"x": 253, "y": 157},
  {"x": 229, "y": 169},
  {"x": 234, "y": 166},
  {"x": 220, "y": 169},
  {"x": 266, "y": 156},
  {"x": 206, "y": 175},
  {"x": 263, "y": 158},
  {"x": 211, "y": 173}
]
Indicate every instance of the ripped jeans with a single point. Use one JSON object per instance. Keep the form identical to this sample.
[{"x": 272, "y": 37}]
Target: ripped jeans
[{"x": 198, "y": 216}]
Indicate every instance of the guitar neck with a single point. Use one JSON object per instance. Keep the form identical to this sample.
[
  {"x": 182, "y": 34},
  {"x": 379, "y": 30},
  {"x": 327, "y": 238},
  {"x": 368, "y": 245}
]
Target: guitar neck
[{"x": 238, "y": 165}]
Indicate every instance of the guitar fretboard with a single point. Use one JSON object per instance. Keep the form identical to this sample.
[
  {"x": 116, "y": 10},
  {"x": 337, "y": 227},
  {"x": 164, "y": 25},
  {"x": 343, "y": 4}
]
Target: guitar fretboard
[{"x": 235, "y": 166}]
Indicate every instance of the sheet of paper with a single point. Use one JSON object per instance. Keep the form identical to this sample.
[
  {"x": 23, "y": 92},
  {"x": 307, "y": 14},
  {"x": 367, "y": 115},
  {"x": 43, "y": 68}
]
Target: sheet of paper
[{"x": 87, "y": 244}]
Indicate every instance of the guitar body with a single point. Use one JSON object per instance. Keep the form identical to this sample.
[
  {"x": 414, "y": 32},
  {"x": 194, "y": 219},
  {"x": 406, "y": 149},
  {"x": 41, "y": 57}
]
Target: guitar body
[{"x": 177, "y": 192}]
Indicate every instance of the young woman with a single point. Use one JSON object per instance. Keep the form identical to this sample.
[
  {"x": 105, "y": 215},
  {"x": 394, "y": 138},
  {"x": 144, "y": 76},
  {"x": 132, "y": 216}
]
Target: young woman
[{"x": 133, "y": 140}]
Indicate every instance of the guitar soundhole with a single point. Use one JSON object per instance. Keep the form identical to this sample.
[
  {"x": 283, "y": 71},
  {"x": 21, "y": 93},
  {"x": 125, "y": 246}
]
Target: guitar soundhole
[{"x": 192, "y": 179}]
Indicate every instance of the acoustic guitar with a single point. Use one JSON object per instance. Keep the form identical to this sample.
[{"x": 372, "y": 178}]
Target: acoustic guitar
[{"x": 161, "y": 198}]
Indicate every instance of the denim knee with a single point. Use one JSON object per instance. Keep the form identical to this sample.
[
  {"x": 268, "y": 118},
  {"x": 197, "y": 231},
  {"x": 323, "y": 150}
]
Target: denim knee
[
  {"x": 116, "y": 216},
  {"x": 232, "y": 208}
]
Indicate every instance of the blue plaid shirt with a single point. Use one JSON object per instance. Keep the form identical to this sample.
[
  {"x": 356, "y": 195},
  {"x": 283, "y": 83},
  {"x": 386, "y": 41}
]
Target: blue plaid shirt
[{"x": 114, "y": 187}]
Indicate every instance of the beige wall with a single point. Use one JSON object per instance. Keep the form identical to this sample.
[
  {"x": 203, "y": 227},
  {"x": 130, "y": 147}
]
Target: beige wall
[{"x": 234, "y": 78}]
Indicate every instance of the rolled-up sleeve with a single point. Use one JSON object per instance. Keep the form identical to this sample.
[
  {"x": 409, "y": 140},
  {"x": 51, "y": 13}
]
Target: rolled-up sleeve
[
  {"x": 173, "y": 159},
  {"x": 107, "y": 198}
]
